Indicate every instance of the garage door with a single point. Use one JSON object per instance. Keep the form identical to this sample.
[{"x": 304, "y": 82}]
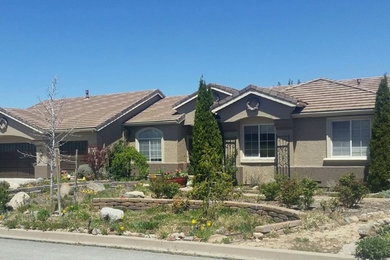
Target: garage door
[{"x": 13, "y": 163}]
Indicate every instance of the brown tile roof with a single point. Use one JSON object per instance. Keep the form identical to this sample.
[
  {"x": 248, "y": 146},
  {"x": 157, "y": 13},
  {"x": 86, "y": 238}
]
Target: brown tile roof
[
  {"x": 331, "y": 95},
  {"x": 267, "y": 91},
  {"x": 94, "y": 112},
  {"x": 159, "y": 112},
  {"x": 212, "y": 85}
]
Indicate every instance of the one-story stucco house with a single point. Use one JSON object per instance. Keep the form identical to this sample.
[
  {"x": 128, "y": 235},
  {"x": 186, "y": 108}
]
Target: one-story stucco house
[{"x": 320, "y": 129}]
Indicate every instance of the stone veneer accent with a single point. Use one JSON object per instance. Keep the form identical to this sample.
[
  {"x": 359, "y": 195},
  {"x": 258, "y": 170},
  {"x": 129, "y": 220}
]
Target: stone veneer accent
[{"x": 277, "y": 214}]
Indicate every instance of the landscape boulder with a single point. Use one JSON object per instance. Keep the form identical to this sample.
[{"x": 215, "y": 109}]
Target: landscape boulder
[
  {"x": 367, "y": 231},
  {"x": 96, "y": 186},
  {"x": 134, "y": 194},
  {"x": 111, "y": 214},
  {"x": 18, "y": 200}
]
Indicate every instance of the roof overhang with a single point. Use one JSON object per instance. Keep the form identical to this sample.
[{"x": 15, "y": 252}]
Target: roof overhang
[
  {"x": 354, "y": 112},
  {"x": 256, "y": 93},
  {"x": 161, "y": 122}
]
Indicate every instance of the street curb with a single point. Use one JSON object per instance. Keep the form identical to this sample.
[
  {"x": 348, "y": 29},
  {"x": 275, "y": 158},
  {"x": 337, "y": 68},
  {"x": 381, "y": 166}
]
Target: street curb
[{"x": 173, "y": 247}]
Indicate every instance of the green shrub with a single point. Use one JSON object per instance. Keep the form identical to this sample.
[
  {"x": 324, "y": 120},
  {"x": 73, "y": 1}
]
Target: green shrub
[
  {"x": 84, "y": 171},
  {"x": 373, "y": 248},
  {"x": 270, "y": 190},
  {"x": 43, "y": 215},
  {"x": 4, "y": 195},
  {"x": 290, "y": 192},
  {"x": 350, "y": 191},
  {"x": 162, "y": 188},
  {"x": 308, "y": 187},
  {"x": 384, "y": 194},
  {"x": 126, "y": 162}
]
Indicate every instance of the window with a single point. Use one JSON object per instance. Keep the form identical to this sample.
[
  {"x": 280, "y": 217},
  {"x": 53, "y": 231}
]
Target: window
[
  {"x": 350, "y": 138},
  {"x": 69, "y": 148},
  {"x": 259, "y": 141},
  {"x": 149, "y": 144}
]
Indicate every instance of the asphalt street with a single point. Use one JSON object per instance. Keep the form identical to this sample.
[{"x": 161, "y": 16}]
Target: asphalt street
[{"x": 31, "y": 250}]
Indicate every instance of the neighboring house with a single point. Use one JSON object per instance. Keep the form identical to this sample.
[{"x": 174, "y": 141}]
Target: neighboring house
[{"x": 320, "y": 129}]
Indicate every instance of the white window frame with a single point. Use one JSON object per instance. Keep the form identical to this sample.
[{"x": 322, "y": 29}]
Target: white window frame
[
  {"x": 162, "y": 143},
  {"x": 330, "y": 156},
  {"x": 255, "y": 159}
]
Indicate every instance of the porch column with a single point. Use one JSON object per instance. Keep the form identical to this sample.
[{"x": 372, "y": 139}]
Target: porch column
[{"x": 41, "y": 167}]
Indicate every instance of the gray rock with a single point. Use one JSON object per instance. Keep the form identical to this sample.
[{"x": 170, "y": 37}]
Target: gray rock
[
  {"x": 172, "y": 237},
  {"x": 96, "y": 231},
  {"x": 216, "y": 238},
  {"x": 348, "y": 249},
  {"x": 220, "y": 230},
  {"x": 189, "y": 238},
  {"x": 263, "y": 229},
  {"x": 134, "y": 194},
  {"x": 352, "y": 219},
  {"x": 18, "y": 200},
  {"x": 367, "y": 231},
  {"x": 258, "y": 235},
  {"x": 175, "y": 236},
  {"x": 96, "y": 186},
  {"x": 151, "y": 236},
  {"x": 65, "y": 189},
  {"x": 39, "y": 180},
  {"x": 363, "y": 218},
  {"x": 111, "y": 214}
]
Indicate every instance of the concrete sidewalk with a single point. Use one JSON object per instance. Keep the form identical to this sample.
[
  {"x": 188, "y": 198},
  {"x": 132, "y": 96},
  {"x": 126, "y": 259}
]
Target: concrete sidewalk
[{"x": 173, "y": 247}]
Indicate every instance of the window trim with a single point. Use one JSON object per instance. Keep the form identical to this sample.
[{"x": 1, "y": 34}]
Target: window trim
[
  {"x": 329, "y": 137},
  {"x": 162, "y": 142},
  {"x": 254, "y": 159}
]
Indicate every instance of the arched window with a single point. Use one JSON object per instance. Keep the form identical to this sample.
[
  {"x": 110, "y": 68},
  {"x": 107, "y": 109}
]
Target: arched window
[{"x": 149, "y": 144}]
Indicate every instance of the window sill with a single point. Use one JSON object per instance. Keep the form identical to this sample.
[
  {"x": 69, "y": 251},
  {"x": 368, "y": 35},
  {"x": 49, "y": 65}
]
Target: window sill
[
  {"x": 345, "y": 159},
  {"x": 258, "y": 160}
]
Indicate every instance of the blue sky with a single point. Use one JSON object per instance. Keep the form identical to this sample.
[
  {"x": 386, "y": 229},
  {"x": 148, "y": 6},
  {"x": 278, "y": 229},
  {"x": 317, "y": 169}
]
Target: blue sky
[{"x": 118, "y": 46}]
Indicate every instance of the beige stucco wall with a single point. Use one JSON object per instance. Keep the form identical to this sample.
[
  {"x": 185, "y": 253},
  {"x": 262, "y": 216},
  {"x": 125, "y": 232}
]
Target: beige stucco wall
[
  {"x": 16, "y": 132},
  {"x": 309, "y": 141},
  {"x": 173, "y": 145}
]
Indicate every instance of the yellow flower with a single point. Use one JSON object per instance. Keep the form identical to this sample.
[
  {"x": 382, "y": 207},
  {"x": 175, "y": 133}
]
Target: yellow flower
[
  {"x": 1, "y": 217},
  {"x": 209, "y": 223},
  {"x": 64, "y": 211},
  {"x": 122, "y": 228},
  {"x": 123, "y": 217},
  {"x": 193, "y": 221},
  {"x": 202, "y": 227},
  {"x": 135, "y": 184}
]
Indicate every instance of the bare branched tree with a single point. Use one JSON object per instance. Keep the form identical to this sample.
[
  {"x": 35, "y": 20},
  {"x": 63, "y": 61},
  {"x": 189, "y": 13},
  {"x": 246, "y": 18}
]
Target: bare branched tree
[{"x": 51, "y": 112}]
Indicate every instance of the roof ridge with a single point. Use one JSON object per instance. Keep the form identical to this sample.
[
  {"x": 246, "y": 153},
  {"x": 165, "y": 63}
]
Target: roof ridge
[
  {"x": 304, "y": 83},
  {"x": 351, "y": 86},
  {"x": 100, "y": 95}
]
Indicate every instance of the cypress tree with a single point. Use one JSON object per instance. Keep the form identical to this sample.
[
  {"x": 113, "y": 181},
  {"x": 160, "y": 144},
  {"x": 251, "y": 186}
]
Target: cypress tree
[
  {"x": 206, "y": 137},
  {"x": 379, "y": 169}
]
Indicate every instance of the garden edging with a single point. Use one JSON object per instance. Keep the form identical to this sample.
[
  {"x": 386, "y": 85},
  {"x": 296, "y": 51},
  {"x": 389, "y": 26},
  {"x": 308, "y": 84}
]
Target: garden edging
[{"x": 277, "y": 214}]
